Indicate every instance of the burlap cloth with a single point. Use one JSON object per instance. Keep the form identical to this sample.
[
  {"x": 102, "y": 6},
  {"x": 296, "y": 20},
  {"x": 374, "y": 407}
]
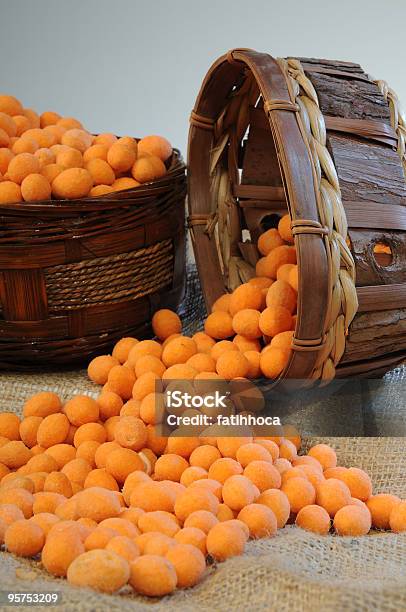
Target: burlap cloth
[{"x": 293, "y": 571}]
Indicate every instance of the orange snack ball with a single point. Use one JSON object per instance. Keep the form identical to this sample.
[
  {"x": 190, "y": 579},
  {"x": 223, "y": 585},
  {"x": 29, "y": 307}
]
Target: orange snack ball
[
  {"x": 224, "y": 513},
  {"x": 193, "y": 499},
  {"x": 202, "y": 362},
  {"x": 324, "y": 454},
  {"x": 10, "y": 193},
  {"x": 56, "y": 482},
  {"x": 203, "y": 520},
  {"x": 149, "y": 363},
  {"x": 5, "y": 157},
  {"x": 4, "y": 470},
  {"x": 333, "y": 494},
  {"x": 232, "y": 364},
  {"x": 100, "y": 171},
  {"x": 54, "y": 132},
  {"x": 238, "y": 491},
  {"x": 45, "y": 520},
  {"x": 228, "y": 446},
  {"x": 14, "y": 454},
  {"x": 170, "y": 467},
  {"x": 300, "y": 492},
  {"x": 269, "y": 240},
  {"x": 99, "y": 368},
  {"x": 312, "y": 474},
  {"x": 144, "y": 385},
  {"x": 314, "y": 518},
  {"x": 219, "y": 325},
  {"x": 81, "y": 409},
  {"x": 121, "y": 157},
  {"x": 381, "y": 506},
  {"x": 352, "y": 520},
  {"x": 221, "y": 347},
  {"x": 397, "y": 517},
  {"x": 246, "y": 323},
  {"x": 62, "y": 453},
  {"x": 100, "y": 190},
  {"x": 5, "y": 140},
  {"x": 157, "y": 544},
  {"x": 263, "y": 475},
  {"x": 158, "y": 521},
  {"x": 191, "y": 474},
  {"x": 42, "y": 405},
  {"x": 28, "y": 430},
  {"x": 121, "y": 462},
  {"x": 182, "y": 446},
  {"x": 53, "y": 430},
  {"x": 131, "y": 432},
  {"x": 246, "y": 344},
  {"x": 69, "y": 123},
  {"x": 278, "y": 502},
  {"x": 204, "y": 342},
  {"x": 287, "y": 450},
  {"x": 147, "y": 169},
  {"x": 246, "y": 296},
  {"x": 21, "y": 166},
  {"x": 49, "y": 118},
  {"x": 106, "y": 138},
  {"x": 10, "y": 513},
  {"x": 110, "y": 426},
  {"x": 155, "y": 145},
  {"x": 132, "y": 481},
  {"x": 131, "y": 408},
  {"x": 41, "y": 463},
  {"x": 223, "y": 468},
  {"x": 97, "y": 503},
  {"x": 67, "y": 510},
  {"x": 124, "y": 547},
  {"x": 100, "y": 478},
  {"x": 252, "y": 452},
  {"x": 189, "y": 564},
  {"x": 274, "y": 320},
  {"x": 283, "y": 340},
  {"x": 279, "y": 256},
  {"x": 89, "y": 431},
  {"x": 77, "y": 470},
  {"x": 9, "y": 425},
  {"x": 273, "y": 362},
  {"x": 132, "y": 515},
  {"x": 19, "y": 482},
  {"x": 45, "y": 157},
  {"x": 222, "y": 303},
  {"x": 60, "y": 550},
  {"x": 253, "y": 358},
  {"x": 125, "y": 182},
  {"x": 358, "y": 482},
  {"x": 96, "y": 151},
  {"x": 293, "y": 279},
  {"x": 281, "y": 294},
  {"x": 103, "y": 451},
  {"x": 178, "y": 351},
  {"x": 270, "y": 446},
  {"x": 24, "y": 538},
  {"x": 335, "y": 472},
  {"x": 110, "y": 405},
  {"x": 72, "y": 183},
  {"x": 21, "y": 498},
  {"x": 87, "y": 451},
  {"x": 10, "y": 105},
  {"x": 122, "y": 526},
  {"x": 121, "y": 381},
  {"x": 157, "y": 443},
  {"x": 283, "y": 272},
  {"x": 99, "y": 538},
  {"x": 32, "y": 117},
  {"x": 204, "y": 456},
  {"x": 285, "y": 230},
  {"x": 24, "y": 145},
  {"x": 293, "y": 473},
  {"x": 151, "y": 496},
  {"x": 153, "y": 576},
  {"x": 193, "y": 536},
  {"x": 8, "y": 124},
  {"x": 225, "y": 540},
  {"x": 101, "y": 570},
  {"x": 77, "y": 139},
  {"x": 152, "y": 408},
  {"x": 260, "y": 520},
  {"x": 209, "y": 484}
]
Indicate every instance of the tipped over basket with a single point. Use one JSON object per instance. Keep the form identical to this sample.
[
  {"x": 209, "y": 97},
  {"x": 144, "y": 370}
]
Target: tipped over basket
[
  {"x": 75, "y": 276},
  {"x": 325, "y": 142}
]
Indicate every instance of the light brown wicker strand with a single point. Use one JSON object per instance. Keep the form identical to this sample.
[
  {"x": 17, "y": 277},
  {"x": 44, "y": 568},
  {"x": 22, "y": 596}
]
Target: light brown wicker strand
[
  {"x": 398, "y": 118},
  {"x": 344, "y": 303}
]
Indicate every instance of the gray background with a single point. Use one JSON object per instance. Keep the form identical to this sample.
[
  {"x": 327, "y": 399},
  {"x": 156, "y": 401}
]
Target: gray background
[{"x": 135, "y": 66}]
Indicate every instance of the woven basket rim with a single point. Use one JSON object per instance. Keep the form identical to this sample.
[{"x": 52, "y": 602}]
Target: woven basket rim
[{"x": 176, "y": 169}]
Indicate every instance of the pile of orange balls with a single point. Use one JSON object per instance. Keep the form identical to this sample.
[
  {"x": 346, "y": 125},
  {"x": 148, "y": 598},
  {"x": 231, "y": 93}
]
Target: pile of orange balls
[
  {"x": 48, "y": 156},
  {"x": 93, "y": 490}
]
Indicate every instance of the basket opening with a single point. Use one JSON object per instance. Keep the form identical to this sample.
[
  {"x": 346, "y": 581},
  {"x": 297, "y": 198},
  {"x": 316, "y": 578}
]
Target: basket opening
[
  {"x": 382, "y": 254},
  {"x": 270, "y": 221}
]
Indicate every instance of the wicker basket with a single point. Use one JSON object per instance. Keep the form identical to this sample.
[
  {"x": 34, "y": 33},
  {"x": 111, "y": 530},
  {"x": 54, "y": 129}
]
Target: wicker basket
[
  {"x": 323, "y": 140},
  {"x": 76, "y": 276}
]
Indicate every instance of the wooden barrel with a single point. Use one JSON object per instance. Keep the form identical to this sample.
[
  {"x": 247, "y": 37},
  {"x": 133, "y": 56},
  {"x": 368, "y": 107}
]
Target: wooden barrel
[{"x": 324, "y": 140}]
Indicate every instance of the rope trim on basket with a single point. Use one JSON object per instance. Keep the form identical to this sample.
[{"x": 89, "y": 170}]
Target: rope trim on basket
[
  {"x": 333, "y": 227},
  {"x": 109, "y": 279},
  {"x": 398, "y": 118}
]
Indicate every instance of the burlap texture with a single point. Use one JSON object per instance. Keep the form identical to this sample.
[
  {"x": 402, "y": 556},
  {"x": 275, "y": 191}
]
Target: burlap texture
[{"x": 294, "y": 571}]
